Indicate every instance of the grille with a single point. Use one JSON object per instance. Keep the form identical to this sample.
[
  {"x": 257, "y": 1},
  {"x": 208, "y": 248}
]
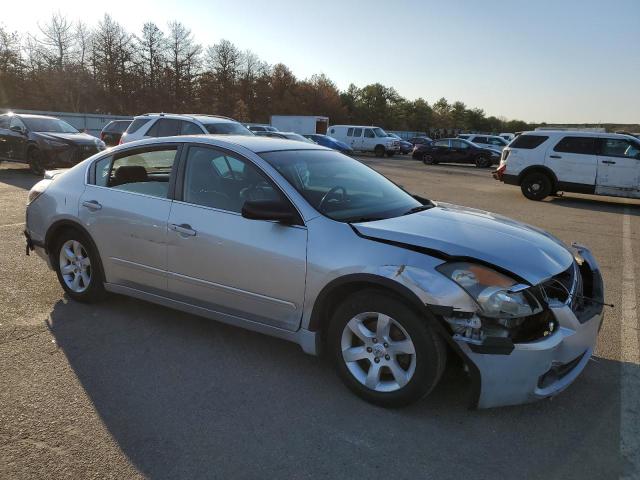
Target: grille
[
  {"x": 83, "y": 151},
  {"x": 565, "y": 287}
]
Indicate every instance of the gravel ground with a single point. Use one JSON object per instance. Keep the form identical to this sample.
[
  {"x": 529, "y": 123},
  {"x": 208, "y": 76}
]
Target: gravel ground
[{"x": 126, "y": 389}]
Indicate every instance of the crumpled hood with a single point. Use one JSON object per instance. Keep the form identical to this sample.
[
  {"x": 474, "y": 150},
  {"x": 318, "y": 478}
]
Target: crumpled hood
[
  {"x": 455, "y": 231},
  {"x": 76, "y": 138}
]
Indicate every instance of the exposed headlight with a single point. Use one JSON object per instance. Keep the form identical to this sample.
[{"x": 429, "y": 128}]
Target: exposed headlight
[
  {"x": 497, "y": 295},
  {"x": 37, "y": 190},
  {"x": 55, "y": 143}
]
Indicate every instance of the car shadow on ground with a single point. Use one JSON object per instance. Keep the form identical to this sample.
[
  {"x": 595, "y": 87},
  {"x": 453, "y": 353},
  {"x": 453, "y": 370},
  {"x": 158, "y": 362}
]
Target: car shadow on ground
[
  {"x": 600, "y": 204},
  {"x": 18, "y": 176},
  {"x": 187, "y": 397}
]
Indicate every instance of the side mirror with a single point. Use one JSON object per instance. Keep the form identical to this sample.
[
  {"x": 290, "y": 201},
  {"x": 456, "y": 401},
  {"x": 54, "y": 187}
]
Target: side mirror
[
  {"x": 17, "y": 129},
  {"x": 274, "y": 210}
]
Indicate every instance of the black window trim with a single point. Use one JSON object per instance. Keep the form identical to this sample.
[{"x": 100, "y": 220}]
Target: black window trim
[
  {"x": 595, "y": 148},
  {"x": 178, "y": 192},
  {"x": 600, "y": 146},
  {"x": 91, "y": 176}
]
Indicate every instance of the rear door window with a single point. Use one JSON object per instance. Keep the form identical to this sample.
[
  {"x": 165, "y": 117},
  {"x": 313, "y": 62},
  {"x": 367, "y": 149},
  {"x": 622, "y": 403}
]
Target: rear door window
[
  {"x": 480, "y": 140},
  {"x": 614, "y": 147},
  {"x": 528, "y": 142},
  {"x": 350, "y": 132},
  {"x": 137, "y": 124},
  {"x": 580, "y": 145},
  {"x": 165, "y": 127},
  {"x": 357, "y": 132}
]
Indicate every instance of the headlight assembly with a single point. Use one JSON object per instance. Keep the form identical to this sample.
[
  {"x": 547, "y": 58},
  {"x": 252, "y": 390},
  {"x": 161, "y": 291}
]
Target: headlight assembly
[
  {"x": 497, "y": 295},
  {"x": 55, "y": 143}
]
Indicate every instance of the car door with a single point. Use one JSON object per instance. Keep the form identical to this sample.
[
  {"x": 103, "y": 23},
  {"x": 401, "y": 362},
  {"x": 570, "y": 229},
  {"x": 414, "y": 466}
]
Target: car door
[
  {"x": 17, "y": 139},
  {"x": 221, "y": 261},
  {"x": 574, "y": 162},
  {"x": 4, "y": 136},
  {"x": 618, "y": 167},
  {"x": 356, "y": 139},
  {"x": 125, "y": 208},
  {"x": 459, "y": 151},
  {"x": 441, "y": 150},
  {"x": 369, "y": 140}
]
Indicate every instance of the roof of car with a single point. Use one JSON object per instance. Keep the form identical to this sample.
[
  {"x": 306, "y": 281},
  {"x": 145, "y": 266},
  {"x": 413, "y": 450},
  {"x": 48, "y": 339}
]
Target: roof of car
[
  {"x": 29, "y": 115},
  {"x": 574, "y": 133},
  {"x": 254, "y": 143},
  {"x": 200, "y": 117}
]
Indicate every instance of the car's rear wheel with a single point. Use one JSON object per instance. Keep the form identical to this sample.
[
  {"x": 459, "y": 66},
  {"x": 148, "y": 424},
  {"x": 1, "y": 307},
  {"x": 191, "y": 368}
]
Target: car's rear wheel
[
  {"x": 34, "y": 157},
  {"x": 536, "y": 186},
  {"x": 78, "y": 266},
  {"x": 383, "y": 351},
  {"x": 427, "y": 159},
  {"x": 379, "y": 151},
  {"x": 483, "y": 162}
]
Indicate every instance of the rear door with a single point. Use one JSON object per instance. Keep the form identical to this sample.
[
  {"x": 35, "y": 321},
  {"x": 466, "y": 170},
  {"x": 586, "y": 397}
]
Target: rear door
[
  {"x": 618, "y": 167},
  {"x": 4, "y": 136},
  {"x": 356, "y": 138},
  {"x": 460, "y": 151},
  {"x": 125, "y": 208},
  {"x": 573, "y": 159},
  {"x": 165, "y": 127}
]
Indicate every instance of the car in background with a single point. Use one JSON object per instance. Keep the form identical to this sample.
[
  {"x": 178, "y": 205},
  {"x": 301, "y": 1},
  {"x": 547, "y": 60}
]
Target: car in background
[
  {"x": 44, "y": 142},
  {"x": 455, "y": 150},
  {"x": 151, "y": 125},
  {"x": 262, "y": 128},
  {"x": 112, "y": 131},
  {"x": 330, "y": 142},
  {"x": 487, "y": 141},
  {"x": 366, "y": 139},
  {"x": 508, "y": 136},
  {"x": 542, "y": 163},
  {"x": 405, "y": 145},
  {"x": 285, "y": 135},
  {"x": 420, "y": 140}
]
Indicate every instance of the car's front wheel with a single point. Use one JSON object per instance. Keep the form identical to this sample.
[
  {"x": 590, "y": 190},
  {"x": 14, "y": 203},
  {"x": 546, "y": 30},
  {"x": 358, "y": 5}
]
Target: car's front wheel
[
  {"x": 379, "y": 151},
  {"x": 428, "y": 159},
  {"x": 34, "y": 157},
  {"x": 78, "y": 266},
  {"x": 383, "y": 351}
]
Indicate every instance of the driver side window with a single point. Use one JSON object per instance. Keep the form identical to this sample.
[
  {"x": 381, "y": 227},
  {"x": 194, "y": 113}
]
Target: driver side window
[{"x": 217, "y": 180}]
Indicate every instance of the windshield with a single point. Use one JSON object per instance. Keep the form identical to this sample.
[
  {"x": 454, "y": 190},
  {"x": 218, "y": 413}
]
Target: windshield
[
  {"x": 227, "y": 128},
  {"x": 340, "y": 187},
  {"x": 295, "y": 136},
  {"x": 52, "y": 125},
  {"x": 380, "y": 132}
]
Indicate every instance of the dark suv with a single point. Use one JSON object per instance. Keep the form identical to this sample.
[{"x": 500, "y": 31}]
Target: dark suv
[
  {"x": 112, "y": 132},
  {"x": 455, "y": 150},
  {"x": 44, "y": 142}
]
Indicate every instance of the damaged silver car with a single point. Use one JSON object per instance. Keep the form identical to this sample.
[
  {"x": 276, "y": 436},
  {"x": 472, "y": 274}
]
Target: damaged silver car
[{"x": 309, "y": 245}]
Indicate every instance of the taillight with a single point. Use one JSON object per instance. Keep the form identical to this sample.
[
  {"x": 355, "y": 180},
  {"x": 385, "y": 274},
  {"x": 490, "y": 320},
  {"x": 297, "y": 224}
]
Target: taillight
[
  {"x": 102, "y": 136},
  {"x": 505, "y": 154}
]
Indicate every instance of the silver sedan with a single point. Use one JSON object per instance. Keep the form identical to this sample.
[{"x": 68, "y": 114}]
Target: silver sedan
[{"x": 303, "y": 243}]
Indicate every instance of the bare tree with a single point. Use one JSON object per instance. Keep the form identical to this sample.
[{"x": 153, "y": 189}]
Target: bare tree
[
  {"x": 183, "y": 65},
  {"x": 57, "y": 40}
]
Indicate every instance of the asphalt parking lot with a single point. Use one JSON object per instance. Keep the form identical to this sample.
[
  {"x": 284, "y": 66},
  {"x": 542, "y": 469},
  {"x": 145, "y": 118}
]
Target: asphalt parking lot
[{"x": 126, "y": 389}]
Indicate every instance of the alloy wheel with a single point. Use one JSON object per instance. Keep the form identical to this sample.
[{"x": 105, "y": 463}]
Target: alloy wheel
[
  {"x": 75, "y": 266},
  {"x": 378, "y": 352}
]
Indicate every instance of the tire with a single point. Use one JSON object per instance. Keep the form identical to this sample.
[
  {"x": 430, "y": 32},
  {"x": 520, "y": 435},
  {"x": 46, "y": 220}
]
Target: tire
[
  {"x": 71, "y": 251},
  {"x": 427, "y": 159},
  {"x": 34, "y": 157},
  {"x": 536, "y": 186},
  {"x": 379, "y": 151},
  {"x": 398, "y": 379},
  {"x": 390, "y": 154},
  {"x": 483, "y": 162}
]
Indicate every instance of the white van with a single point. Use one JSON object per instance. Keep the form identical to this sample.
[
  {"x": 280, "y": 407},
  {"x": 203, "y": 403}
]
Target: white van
[
  {"x": 366, "y": 139},
  {"x": 545, "y": 162}
]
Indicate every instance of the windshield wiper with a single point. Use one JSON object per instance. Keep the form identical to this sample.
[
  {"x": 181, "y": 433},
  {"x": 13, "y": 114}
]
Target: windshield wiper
[{"x": 419, "y": 208}]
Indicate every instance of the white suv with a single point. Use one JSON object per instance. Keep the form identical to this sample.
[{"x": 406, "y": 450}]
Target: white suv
[
  {"x": 171, "y": 125},
  {"x": 545, "y": 162},
  {"x": 493, "y": 142}
]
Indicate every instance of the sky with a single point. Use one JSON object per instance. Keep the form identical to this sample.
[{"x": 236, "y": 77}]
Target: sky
[{"x": 559, "y": 61}]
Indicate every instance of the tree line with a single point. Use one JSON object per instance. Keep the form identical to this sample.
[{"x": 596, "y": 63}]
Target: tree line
[{"x": 68, "y": 66}]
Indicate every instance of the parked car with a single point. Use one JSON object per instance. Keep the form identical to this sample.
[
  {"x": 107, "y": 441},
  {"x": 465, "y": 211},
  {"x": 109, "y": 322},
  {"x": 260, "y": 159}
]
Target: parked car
[
  {"x": 330, "y": 142},
  {"x": 262, "y": 128},
  {"x": 44, "y": 142},
  {"x": 366, "y": 139},
  {"x": 170, "y": 125},
  {"x": 455, "y": 150},
  {"x": 424, "y": 140},
  {"x": 487, "y": 141},
  {"x": 303, "y": 243},
  {"x": 112, "y": 131},
  {"x": 285, "y": 135},
  {"x": 545, "y": 162},
  {"x": 405, "y": 145},
  {"x": 508, "y": 136}
]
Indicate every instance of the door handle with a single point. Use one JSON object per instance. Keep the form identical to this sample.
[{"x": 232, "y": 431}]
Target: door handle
[
  {"x": 555, "y": 156},
  {"x": 609, "y": 162},
  {"x": 92, "y": 205},
  {"x": 183, "y": 229}
]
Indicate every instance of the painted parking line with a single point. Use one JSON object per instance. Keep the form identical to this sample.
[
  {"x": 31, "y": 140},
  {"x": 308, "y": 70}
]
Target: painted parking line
[
  {"x": 12, "y": 225},
  {"x": 630, "y": 375}
]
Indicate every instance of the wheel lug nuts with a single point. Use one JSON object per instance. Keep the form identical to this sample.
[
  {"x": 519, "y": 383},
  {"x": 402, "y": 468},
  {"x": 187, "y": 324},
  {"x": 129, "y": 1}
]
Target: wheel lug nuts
[
  {"x": 369, "y": 349},
  {"x": 386, "y": 344},
  {"x": 387, "y": 357},
  {"x": 375, "y": 340},
  {"x": 377, "y": 360}
]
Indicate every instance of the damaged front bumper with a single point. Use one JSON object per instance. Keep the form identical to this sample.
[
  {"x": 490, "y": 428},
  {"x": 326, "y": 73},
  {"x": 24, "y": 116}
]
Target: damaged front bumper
[{"x": 542, "y": 368}]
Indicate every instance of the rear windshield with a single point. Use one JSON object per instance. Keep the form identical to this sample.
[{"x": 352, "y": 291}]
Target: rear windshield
[
  {"x": 137, "y": 124},
  {"x": 117, "y": 127},
  {"x": 528, "y": 141},
  {"x": 227, "y": 128}
]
